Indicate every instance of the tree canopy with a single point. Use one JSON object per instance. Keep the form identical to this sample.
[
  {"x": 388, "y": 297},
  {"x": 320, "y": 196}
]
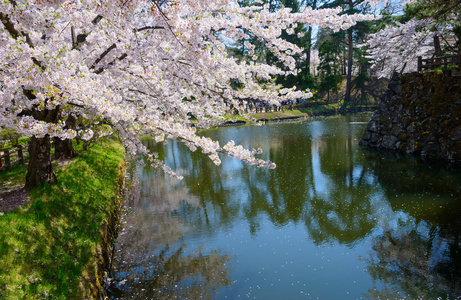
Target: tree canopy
[{"x": 141, "y": 67}]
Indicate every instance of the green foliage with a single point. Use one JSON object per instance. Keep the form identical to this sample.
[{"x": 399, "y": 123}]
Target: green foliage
[
  {"x": 363, "y": 64},
  {"x": 303, "y": 80},
  {"x": 236, "y": 84},
  {"x": 328, "y": 67},
  {"x": 441, "y": 10},
  {"x": 352, "y": 52},
  {"x": 10, "y": 135},
  {"x": 50, "y": 248}
]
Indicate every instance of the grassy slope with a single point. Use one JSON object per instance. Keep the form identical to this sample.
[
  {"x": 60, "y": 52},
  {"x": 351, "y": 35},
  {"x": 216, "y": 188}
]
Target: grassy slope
[
  {"x": 49, "y": 249},
  {"x": 279, "y": 114}
]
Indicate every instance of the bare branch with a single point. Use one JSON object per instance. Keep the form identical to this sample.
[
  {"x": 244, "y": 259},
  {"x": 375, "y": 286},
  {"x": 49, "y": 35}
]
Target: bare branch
[
  {"x": 121, "y": 57},
  {"x": 113, "y": 46},
  {"x": 97, "y": 19},
  {"x": 74, "y": 38},
  {"x": 148, "y": 27},
  {"x": 15, "y": 34},
  {"x": 12, "y": 31}
]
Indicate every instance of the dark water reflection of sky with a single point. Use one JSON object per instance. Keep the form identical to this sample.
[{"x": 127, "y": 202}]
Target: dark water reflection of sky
[{"x": 332, "y": 221}]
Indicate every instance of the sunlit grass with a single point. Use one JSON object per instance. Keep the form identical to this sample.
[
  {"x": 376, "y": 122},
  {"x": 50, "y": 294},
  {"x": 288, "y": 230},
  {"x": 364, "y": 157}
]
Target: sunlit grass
[
  {"x": 47, "y": 247},
  {"x": 295, "y": 113},
  {"x": 23, "y": 140},
  {"x": 15, "y": 176},
  {"x": 320, "y": 108}
]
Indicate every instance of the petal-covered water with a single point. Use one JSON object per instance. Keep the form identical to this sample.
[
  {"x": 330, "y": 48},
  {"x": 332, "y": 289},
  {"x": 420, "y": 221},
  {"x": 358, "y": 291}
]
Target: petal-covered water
[{"x": 332, "y": 221}]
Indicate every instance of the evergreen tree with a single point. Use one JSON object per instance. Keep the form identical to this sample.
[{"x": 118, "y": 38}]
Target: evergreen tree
[
  {"x": 328, "y": 68},
  {"x": 350, "y": 7},
  {"x": 303, "y": 80}
]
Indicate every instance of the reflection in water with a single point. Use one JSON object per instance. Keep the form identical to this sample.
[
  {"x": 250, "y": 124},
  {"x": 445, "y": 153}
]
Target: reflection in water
[
  {"x": 415, "y": 262},
  {"x": 418, "y": 251},
  {"x": 153, "y": 260},
  {"x": 332, "y": 221}
]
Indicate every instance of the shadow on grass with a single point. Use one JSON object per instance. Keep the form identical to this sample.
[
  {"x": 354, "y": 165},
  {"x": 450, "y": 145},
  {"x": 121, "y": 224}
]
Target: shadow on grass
[{"x": 50, "y": 249}]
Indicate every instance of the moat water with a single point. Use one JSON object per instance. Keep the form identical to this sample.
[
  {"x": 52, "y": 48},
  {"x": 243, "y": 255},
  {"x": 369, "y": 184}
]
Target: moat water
[{"x": 332, "y": 221}]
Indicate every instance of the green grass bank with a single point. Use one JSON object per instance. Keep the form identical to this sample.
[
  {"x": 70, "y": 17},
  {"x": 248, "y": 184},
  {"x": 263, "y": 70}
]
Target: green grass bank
[
  {"x": 54, "y": 247},
  {"x": 300, "y": 112}
]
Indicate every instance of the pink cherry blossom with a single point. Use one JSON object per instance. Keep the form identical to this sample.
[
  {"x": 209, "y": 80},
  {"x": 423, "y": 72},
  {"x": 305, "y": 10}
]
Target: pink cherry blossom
[{"x": 142, "y": 67}]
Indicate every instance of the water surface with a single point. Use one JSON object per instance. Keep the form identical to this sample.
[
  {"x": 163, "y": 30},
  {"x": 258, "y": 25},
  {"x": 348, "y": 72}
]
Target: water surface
[{"x": 332, "y": 221}]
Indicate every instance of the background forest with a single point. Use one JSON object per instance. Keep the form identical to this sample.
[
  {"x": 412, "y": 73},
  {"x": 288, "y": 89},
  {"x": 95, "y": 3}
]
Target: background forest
[{"x": 353, "y": 65}]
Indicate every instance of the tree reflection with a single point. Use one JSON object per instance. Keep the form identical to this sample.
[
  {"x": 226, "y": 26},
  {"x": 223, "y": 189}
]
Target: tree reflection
[
  {"x": 419, "y": 256},
  {"x": 280, "y": 194},
  {"x": 343, "y": 212},
  {"x": 172, "y": 274},
  {"x": 426, "y": 191},
  {"x": 340, "y": 193},
  {"x": 152, "y": 260},
  {"x": 319, "y": 182},
  {"x": 415, "y": 261}
]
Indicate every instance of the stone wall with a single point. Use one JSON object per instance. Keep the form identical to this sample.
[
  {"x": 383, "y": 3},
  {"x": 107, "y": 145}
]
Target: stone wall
[{"x": 420, "y": 114}]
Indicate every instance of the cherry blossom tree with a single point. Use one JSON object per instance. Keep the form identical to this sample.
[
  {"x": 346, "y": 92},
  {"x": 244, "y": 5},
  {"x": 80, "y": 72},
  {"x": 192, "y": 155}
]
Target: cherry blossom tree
[
  {"x": 137, "y": 67},
  {"x": 397, "y": 46}
]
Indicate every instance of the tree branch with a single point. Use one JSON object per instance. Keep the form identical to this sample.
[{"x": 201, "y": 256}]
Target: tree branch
[
  {"x": 113, "y": 46},
  {"x": 15, "y": 34},
  {"x": 97, "y": 19},
  {"x": 121, "y": 57},
  {"x": 12, "y": 31},
  {"x": 148, "y": 27}
]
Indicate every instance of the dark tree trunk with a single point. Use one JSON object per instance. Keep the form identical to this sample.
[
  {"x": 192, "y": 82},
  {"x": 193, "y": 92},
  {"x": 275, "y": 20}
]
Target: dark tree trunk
[
  {"x": 459, "y": 55},
  {"x": 308, "y": 50},
  {"x": 64, "y": 148},
  {"x": 437, "y": 48},
  {"x": 40, "y": 169},
  {"x": 309, "y": 42},
  {"x": 403, "y": 68},
  {"x": 347, "y": 97}
]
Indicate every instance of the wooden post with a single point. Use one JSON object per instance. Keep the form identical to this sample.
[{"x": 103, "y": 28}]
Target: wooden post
[
  {"x": 7, "y": 159},
  {"x": 420, "y": 63},
  {"x": 20, "y": 156}
]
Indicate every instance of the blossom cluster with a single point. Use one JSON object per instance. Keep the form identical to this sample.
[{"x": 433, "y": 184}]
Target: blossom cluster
[
  {"x": 396, "y": 48},
  {"x": 141, "y": 66}
]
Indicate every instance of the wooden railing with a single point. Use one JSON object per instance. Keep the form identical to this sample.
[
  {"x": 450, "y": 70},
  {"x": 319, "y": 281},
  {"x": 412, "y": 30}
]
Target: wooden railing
[
  {"x": 6, "y": 161},
  {"x": 436, "y": 62}
]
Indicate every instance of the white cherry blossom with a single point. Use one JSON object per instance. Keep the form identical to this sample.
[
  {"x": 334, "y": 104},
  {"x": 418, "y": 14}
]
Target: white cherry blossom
[{"x": 144, "y": 67}]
